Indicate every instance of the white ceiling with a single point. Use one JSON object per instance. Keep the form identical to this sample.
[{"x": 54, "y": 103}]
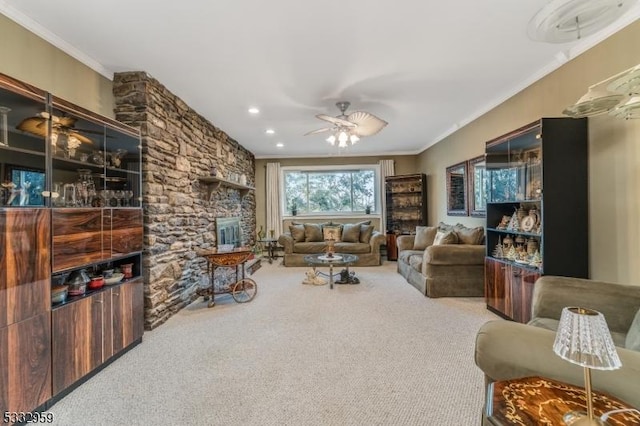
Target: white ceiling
[{"x": 426, "y": 67}]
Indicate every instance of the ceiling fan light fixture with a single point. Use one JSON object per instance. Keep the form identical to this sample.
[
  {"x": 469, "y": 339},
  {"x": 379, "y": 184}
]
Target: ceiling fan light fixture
[
  {"x": 343, "y": 138},
  {"x": 595, "y": 101},
  {"x": 331, "y": 139},
  {"x": 353, "y": 139},
  {"x": 563, "y": 21}
]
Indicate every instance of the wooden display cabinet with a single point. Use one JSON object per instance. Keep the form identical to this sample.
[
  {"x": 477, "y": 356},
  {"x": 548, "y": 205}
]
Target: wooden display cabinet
[
  {"x": 70, "y": 199},
  {"x": 406, "y": 207},
  {"x": 537, "y": 211}
]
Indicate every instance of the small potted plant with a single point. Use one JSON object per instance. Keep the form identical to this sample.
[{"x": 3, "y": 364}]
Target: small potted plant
[
  {"x": 367, "y": 209},
  {"x": 294, "y": 208}
]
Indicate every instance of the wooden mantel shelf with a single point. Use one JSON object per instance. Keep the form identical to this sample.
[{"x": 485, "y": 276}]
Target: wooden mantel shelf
[{"x": 215, "y": 183}]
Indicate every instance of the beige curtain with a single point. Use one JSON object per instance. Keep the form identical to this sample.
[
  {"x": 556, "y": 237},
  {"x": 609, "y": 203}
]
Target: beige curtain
[
  {"x": 274, "y": 216},
  {"x": 387, "y": 168}
]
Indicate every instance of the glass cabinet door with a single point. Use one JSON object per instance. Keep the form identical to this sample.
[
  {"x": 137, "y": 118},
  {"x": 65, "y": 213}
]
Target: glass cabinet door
[
  {"x": 122, "y": 177},
  {"x": 77, "y": 146},
  {"x": 23, "y": 148},
  {"x": 514, "y": 169}
]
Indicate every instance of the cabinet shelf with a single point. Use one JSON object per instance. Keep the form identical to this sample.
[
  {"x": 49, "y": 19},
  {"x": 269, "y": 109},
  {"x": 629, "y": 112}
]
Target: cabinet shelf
[
  {"x": 216, "y": 183},
  {"x": 514, "y": 263},
  {"x": 523, "y": 233},
  {"x": 89, "y": 293},
  {"x": 22, "y": 150}
]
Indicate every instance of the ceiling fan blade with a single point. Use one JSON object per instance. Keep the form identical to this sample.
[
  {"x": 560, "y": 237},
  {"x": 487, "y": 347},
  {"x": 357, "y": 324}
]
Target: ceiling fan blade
[
  {"x": 367, "y": 124},
  {"x": 336, "y": 120},
  {"x": 33, "y": 125},
  {"x": 313, "y": 132}
]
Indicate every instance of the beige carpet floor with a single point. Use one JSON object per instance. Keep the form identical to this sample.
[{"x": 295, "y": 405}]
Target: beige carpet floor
[{"x": 376, "y": 353}]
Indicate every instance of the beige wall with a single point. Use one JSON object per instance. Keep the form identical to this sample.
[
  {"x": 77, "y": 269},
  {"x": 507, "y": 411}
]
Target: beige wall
[
  {"x": 29, "y": 58},
  {"x": 614, "y": 149},
  {"x": 404, "y": 164}
]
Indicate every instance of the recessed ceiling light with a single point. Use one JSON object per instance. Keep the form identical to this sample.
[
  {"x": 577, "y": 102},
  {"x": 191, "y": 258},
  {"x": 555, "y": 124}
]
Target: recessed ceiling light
[
  {"x": 280, "y": 145},
  {"x": 270, "y": 131},
  {"x": 253, "y": 110}
]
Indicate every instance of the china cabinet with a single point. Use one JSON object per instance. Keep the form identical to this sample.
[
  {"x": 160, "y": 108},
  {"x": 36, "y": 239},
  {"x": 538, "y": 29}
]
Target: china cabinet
[
  {"x": 406, "y": 207},
  {"x": 70, "y": 200},
  {"x": 537, "y": 211}
]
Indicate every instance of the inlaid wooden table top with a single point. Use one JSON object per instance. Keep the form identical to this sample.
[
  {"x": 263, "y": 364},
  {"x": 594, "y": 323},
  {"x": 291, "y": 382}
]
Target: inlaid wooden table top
[{"x": 539, "y": 401}]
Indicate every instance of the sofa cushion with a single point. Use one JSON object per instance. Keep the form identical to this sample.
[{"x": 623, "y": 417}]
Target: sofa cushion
[
  {"x": 312, "y": 232},
  {"x": 366, "y": 231},
  {"x": 633, "y": 335},
  {"x": 332, "y": 232},
  {"x": 297, "y": 232},
  {"x": 352, "y": 248},
  {"x": 424, "y": 237},
  {"x": 351, "y": 233},
  {"x": 415, "y": 261},
  {"x": 309, "y": 247},
  {"x": 445, "y": 227},
  {"x": 404, "y": 255},
  {"x": 445, "y": 237},
  {"x": 469, "y": 235}
]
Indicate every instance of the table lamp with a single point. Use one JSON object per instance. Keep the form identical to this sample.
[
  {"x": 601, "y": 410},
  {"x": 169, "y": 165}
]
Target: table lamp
[{"x": 583, "y": 338}]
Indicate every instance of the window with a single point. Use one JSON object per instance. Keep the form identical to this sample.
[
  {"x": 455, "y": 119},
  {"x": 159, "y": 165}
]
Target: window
[{"x": 332, "y": 189}]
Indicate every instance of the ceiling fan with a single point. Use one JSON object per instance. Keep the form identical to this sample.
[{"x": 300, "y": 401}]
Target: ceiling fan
[
  {"x": 61, "y": 125},
  {"x": 358, "y": 123}
]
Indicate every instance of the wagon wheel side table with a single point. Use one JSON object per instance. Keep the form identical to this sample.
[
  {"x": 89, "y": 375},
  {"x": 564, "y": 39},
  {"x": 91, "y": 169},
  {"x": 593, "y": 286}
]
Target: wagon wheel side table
[{"x": 243, "y": 289}]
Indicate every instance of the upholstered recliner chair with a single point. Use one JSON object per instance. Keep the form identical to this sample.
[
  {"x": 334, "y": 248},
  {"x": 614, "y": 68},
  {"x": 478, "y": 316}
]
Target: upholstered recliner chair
[{"x": 508, "y": 350}]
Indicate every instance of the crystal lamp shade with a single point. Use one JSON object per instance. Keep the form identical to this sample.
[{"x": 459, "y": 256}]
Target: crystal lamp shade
[
  {"x": 583, "y": 338},
  {"x": 344, "y": 137}
]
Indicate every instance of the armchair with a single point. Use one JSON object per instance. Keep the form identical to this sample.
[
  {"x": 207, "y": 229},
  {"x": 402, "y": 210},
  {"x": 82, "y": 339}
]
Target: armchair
[{"x": 507, "y": 350}]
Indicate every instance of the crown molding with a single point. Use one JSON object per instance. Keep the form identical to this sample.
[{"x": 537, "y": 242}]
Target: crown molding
[
  {"x": 341, "y": 154},
  {"x": 37, "y": 29}
]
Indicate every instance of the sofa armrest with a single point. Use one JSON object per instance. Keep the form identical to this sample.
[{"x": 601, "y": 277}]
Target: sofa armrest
[
  {"x": 508, "y": 350},
  {"x": 454, "y": 254},
  {"x": 377, "y": 239},
  {"x": 618, "y": 303},
  {"x": 405, "y": 242},
  {"x": 286, "y": 241}
]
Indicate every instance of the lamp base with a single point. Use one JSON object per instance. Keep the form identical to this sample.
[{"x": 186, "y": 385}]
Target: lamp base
[{"x": 580, "y": 418}]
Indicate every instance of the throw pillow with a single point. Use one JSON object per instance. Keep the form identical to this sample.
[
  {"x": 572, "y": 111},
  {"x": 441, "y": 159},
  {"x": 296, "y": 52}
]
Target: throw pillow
[
  {"x": 351, "y": 233},
  {"x": 332, "y": 232},
  {"x": 366, "y": 231},
  {"x": 445, "y": 227},
  {"x": 633, "y": 335},
  {"x": 312, "y": 232},
  {"x": 469, "y": 235},
  {"x": 424, "y": 237},
  {"x": 297, "y": 233},
  {"x": 445, "y": 238}
]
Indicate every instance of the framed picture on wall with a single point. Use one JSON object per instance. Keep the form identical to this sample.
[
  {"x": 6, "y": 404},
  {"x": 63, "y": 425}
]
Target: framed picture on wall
[
  {"x": 457, "y": 190},
  {"x": 477, "y": 186}
]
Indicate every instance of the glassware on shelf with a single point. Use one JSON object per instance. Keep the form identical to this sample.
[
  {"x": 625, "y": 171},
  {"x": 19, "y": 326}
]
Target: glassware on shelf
[
  {"x": 69, "y": 195},
  {"x": 4, "y": 127},
  {"x": 86, "y": 188},
  {"x": 97, "y": 157},
  {"x": 117, "y": 156}
]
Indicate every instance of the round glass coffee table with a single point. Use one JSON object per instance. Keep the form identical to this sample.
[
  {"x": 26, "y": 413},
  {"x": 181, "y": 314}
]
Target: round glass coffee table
[{"x": 338, "y": 259}]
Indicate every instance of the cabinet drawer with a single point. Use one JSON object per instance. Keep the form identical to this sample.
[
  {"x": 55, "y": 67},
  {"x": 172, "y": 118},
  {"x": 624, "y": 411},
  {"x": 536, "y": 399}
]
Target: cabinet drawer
[
  {"x": 77, "y": 237},
  {"x": 126, "y": 231}
]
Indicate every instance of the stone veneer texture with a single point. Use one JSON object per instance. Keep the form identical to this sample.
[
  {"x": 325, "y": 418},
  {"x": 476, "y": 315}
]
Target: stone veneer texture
[{"x": 178, "y": 147}]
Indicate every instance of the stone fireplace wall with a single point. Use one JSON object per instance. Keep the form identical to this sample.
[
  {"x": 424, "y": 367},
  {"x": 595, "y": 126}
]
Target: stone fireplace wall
[{"x": 178, "y": 147}]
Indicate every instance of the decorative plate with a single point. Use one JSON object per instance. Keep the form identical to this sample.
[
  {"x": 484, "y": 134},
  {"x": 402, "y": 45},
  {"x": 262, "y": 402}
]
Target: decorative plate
[{"x": 527, "y": 223}]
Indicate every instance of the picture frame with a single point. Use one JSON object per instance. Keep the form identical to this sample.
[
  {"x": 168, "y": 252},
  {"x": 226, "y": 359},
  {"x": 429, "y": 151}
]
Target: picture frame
[
  {"x": 477, "y": 186},
  {"x": 457, "y": 190}
]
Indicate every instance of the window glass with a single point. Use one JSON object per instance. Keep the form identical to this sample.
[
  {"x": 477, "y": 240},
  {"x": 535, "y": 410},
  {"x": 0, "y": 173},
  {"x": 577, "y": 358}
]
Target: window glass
[{"x": 320, "y": 191}]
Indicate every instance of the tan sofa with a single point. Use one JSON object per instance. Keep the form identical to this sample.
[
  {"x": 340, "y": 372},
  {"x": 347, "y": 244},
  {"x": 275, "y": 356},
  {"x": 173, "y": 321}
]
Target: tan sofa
[
  {"x": 353, "y": 238},
  {"x": 453, "y": 268},
  {"x": 508, "y": 350}
]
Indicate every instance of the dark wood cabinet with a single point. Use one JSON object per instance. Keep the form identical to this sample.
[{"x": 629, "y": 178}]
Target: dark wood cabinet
[
  {"x": 537, "y": 211},
  {"x": 70, "y": 199},
  {"x": 88, "y": 332},
  {"x": 392, "y": 247},
  {"x": 25, "y": 364}
]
